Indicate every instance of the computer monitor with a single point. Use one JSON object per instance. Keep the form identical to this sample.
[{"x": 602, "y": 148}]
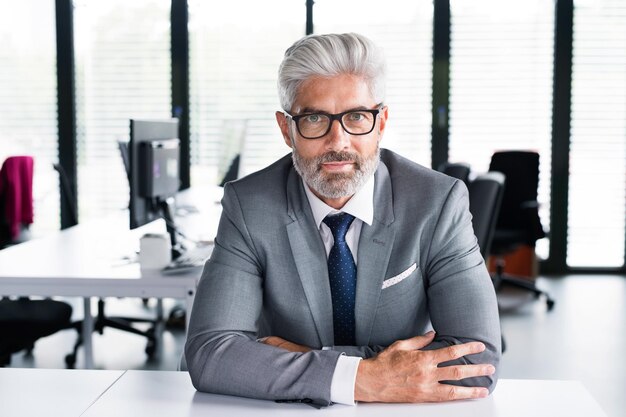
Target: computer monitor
[{"x": 154, "y": 159}]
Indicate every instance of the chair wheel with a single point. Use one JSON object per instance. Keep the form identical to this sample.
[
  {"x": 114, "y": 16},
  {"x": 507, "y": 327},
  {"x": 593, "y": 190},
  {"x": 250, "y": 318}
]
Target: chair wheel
[
  {"x": 70, "y": 360},
  {"x": 550, "y": 304}
]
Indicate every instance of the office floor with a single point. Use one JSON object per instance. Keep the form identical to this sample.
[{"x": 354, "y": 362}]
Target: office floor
[{"x": 583, "y": 338}]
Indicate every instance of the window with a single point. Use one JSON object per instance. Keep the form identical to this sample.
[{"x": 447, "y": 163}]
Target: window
[
  {"x": 597, "y": 184},
  {"x": 235, "y": 50},
  {"x": 28, "y": 101},
  {"x": 406, "y": 38},
  {"x": 501, "y": 69},
  {"x": 123, "y": 71}
]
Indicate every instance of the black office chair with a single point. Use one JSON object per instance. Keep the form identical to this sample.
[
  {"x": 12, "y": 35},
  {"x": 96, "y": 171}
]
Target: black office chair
[
  {"x": 485, "y": 198},
  {"x": 23, "y": 321},
  {"x": 459, "y": 170},
  {"x": 518, "y": 223},
  {"x": 233, "y": 171},
  {"x": 101, "y": 320}
]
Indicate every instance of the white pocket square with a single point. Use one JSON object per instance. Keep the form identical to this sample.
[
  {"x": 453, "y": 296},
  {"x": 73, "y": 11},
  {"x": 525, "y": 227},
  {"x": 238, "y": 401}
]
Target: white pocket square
[{"x": 400, "y": 277}]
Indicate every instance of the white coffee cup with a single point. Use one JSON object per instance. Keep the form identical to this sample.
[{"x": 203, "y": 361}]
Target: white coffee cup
[{"x": 155, "y": 251}]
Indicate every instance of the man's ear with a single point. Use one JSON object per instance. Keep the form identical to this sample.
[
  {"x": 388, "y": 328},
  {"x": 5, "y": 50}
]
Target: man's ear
[
  {"x": 283, "y": 124},
  {"x": 383, "y": 115}
]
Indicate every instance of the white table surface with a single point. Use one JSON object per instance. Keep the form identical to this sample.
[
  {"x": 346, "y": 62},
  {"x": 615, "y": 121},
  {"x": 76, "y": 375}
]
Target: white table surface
[
  {"x": 161, "y": 393},
  {"x": 94, "y": 259},
  {"x": 51, "y": 392}
]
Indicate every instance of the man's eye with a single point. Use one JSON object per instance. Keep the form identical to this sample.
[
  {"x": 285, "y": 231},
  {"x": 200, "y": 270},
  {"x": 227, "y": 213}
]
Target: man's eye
[
  {"x": 356, "y": 117},
  {"x": 313, "y": 118}
]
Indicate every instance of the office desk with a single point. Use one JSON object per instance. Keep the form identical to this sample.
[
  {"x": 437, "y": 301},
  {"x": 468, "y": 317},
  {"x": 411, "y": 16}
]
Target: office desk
[
  {"x": 51, "y": 392},
  {"x": 92, "y": 260},
  {"x": 167, "y": 394},
  {"x": 90, "y": 393}
]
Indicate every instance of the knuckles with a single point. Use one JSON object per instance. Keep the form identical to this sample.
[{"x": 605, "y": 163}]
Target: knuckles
[{"x": 457, "y": 373}]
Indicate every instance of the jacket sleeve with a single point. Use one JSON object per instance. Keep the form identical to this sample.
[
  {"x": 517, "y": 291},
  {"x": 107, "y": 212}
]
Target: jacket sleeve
[
  {"x": 222, "y": 353},
  {"x": 461, "y": 297}
]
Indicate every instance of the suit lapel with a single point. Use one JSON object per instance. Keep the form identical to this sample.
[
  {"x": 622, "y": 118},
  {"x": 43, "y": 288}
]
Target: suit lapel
[
  {"x": 375, "y": 245},
  {"x": 310, "y": 259}
]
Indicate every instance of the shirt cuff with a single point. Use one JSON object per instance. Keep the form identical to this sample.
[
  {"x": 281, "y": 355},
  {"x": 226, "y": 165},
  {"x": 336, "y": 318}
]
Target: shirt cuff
[{"x": 344, "y": 378}]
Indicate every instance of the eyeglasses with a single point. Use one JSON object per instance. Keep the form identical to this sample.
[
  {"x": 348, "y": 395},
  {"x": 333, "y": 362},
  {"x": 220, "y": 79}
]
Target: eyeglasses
[{"x": 316, "y": 125}]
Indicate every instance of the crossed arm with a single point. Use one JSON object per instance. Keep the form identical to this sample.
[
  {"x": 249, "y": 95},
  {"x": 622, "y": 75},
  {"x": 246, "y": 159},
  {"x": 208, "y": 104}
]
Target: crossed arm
[{"x": 405, "y": 373}]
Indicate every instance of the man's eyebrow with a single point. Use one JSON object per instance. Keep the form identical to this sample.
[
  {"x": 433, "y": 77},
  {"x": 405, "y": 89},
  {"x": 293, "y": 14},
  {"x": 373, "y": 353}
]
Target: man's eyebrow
[
  {"x": 309, "y": 110},
  {"x": 306, "y": 110}
]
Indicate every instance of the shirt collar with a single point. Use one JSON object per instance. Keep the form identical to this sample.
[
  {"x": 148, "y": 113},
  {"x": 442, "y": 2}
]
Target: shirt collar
[{"x": 361, "y": 205}]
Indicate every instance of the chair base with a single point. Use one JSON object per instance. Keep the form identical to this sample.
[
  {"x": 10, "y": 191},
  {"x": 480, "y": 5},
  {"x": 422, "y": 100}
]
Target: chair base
[
  {"x": 119, "y": 323},
  {"x": 501, "y": 279}
]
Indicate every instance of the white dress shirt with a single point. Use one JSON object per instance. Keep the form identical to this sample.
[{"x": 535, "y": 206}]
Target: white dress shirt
[{"x": 361, "y": 206}]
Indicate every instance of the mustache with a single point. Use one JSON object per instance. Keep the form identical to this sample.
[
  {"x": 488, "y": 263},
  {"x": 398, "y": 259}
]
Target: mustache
[{"x": 333, "y": 156}]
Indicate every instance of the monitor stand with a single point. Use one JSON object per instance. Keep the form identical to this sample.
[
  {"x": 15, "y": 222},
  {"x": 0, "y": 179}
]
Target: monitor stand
[{"x": 166, "y": 207}]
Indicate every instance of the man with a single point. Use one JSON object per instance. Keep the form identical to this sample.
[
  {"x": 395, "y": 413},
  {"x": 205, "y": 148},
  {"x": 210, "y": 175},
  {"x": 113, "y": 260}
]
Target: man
[{"x": 331, "y": 265}]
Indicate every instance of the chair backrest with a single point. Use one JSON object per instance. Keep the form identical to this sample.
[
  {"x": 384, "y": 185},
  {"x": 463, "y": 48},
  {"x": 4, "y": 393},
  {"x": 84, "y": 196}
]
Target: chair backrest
[
  {"x": 16, "y": 197},
  {"x": 459, "y": 170},
  {"x": 233, "y": 171},
  {"x": 485, "y": 196},
  {"x": 233, "y": 142},
  {"x": 521, "y": 169}
]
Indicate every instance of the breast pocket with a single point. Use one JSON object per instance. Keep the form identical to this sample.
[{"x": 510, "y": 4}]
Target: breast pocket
[
  {"x": 401, "y": 307},
  {"x": 402, "y": 286},
  {"x": 400, "y": 277}
]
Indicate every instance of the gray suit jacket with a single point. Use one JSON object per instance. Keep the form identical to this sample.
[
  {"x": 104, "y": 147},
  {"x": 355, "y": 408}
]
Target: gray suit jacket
[{"x": 419, "y": 267}]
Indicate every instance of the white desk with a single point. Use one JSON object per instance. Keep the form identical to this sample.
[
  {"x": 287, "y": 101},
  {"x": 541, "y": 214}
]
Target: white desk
[
  {"x": 51, "y": 392},
  {"x": 166, "y": 394},
  {"x": 88, "y": 261},
  {"x": 90, "y": 393}
]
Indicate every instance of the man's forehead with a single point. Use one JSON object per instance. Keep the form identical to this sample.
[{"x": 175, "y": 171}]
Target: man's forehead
[{"x": 333, "y": 94}]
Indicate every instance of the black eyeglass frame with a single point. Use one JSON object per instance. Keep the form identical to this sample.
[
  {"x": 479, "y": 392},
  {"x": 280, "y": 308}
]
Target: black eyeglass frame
[{"x": 338, "y": 117}]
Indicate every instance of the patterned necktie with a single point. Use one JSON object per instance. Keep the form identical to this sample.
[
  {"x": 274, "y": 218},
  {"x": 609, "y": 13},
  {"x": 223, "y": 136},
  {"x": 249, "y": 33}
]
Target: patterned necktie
[{"x": 342, "y": 276}]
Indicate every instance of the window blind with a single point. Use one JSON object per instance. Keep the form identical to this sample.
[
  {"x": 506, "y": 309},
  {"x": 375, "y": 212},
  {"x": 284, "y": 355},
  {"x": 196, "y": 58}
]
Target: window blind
[
  {"x": 28, "y": 101},
  {"x": 404, "y": 30},
  {"x": 235, "y": 50},
  {"x": 123, "y": 71},
  {"x": 501, "y": 68},
  {"x": 597, "y": 184}
]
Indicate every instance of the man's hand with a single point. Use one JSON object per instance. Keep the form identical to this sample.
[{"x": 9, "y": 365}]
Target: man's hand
[
  {"x": 402, "y": 373},
  {"x": 284, "y": 344}
]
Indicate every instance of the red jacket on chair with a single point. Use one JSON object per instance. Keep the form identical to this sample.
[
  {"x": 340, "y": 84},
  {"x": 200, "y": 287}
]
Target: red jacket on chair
[{"x": 16, "y": 192}]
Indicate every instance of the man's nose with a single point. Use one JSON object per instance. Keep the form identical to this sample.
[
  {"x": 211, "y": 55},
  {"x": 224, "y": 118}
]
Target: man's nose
[{"x": 337, "y": 137}]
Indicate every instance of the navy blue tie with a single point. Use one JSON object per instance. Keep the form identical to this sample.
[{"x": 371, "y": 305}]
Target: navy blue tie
[{"x": 342, "y": 276}]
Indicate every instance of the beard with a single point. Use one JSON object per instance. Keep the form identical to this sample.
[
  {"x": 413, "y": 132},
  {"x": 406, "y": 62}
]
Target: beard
[{"x": 335, "y": 185}]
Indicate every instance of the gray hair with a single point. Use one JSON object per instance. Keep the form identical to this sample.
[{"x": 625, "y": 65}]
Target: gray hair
[{"x": 327, "y": 56}]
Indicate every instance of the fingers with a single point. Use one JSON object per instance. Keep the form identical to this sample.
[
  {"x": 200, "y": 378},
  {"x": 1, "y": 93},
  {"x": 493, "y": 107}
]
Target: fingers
[
  {"x": 294, "y": 347},
  {"x": 279, "y": 342},
  {"x": 457, "y": 351},
  {"x": 272, "y": 340},
  {"x": 452, "y": 392},
  {"x": 404, "y": 373},
  {"x": 457, "y": 372},
  {"x": 414, "y": 343}
]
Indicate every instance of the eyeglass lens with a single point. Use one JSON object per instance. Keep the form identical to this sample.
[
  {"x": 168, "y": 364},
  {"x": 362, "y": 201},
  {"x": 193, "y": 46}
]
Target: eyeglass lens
[{"x": 317, "y": 125}]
